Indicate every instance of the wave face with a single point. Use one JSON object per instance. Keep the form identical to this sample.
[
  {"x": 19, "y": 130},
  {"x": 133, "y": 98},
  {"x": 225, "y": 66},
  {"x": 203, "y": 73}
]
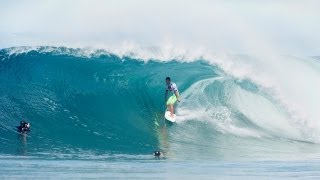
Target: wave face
[{"x": 105, "y": 103}]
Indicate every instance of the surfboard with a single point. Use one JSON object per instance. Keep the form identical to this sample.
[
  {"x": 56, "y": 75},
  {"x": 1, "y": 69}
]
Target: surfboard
[{"x": 169, "y": 117}]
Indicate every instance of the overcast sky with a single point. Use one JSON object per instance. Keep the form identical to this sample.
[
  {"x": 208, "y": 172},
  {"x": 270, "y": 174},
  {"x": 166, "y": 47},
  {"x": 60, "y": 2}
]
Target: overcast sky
[{"x": 236, "y": 26}]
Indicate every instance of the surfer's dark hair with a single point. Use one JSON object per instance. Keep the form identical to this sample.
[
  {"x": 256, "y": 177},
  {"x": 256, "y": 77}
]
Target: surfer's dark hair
[{"x": 168, "y": 78}]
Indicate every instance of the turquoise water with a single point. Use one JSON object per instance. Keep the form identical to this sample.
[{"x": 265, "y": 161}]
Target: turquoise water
[
  {"x": 142, "y": 167},
  {"x": 100, "y": 115}
]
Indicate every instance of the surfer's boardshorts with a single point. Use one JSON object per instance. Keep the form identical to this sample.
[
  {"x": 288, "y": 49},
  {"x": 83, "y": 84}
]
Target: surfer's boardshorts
[{"x": 172, "y": 99}]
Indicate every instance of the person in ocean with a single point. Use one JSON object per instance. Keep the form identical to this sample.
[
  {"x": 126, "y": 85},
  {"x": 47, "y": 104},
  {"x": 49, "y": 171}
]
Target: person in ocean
[
  {"x": 24, "y": 127},
  {"x": 175, "y": 96}
]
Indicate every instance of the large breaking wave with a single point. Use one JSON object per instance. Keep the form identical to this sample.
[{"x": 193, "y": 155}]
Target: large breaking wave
[{"x": 112, "y": 101}]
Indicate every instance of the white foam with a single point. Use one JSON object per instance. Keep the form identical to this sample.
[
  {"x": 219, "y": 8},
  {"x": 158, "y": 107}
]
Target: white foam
[{"x": 197, "y": 105}]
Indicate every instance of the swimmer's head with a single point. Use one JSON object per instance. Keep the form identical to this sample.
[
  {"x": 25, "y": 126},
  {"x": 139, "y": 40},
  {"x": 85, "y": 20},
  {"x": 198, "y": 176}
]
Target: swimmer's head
[{"x": 157, "y": 153}]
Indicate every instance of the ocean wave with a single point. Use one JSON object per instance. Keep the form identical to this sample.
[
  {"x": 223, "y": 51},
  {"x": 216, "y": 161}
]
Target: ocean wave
[{"x": 82, "y": 94}]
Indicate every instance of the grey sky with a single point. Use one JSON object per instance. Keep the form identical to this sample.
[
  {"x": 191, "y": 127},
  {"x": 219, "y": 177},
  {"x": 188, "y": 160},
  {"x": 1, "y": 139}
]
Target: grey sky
[{"x": 246, "y": 26}]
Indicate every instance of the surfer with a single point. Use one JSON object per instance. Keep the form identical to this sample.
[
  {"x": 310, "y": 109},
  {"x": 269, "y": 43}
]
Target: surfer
[{"x": 175, "y": 96}]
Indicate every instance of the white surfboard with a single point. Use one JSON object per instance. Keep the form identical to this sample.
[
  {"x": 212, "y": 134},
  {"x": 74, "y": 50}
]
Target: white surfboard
[{"x": 168, "y": 116}]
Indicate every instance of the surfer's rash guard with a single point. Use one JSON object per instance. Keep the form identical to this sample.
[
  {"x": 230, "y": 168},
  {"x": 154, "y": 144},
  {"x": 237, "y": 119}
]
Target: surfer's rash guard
[{"x": 172, "y": 87}]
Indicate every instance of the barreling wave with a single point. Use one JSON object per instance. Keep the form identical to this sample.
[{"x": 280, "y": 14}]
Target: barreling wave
[{"x": 106, "y": 101}]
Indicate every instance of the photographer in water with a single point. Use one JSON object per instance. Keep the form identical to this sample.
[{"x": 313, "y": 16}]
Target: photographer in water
[{"x": 24, "y": 127}]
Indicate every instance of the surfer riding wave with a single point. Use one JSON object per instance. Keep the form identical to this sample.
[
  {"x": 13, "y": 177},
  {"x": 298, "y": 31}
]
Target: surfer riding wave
[{"x": 175, "y": 96}]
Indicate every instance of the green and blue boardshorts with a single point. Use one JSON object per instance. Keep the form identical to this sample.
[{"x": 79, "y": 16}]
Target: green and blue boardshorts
[{"x": 172, "y": 99}]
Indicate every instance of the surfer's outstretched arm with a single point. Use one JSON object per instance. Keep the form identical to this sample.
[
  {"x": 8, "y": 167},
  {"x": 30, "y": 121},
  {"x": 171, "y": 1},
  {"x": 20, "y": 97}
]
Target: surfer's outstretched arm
[{"x": 177, "y": 95}]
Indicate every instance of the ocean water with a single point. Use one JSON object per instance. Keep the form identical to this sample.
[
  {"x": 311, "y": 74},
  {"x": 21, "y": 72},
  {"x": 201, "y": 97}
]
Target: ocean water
[{"x": 99, "y": 114}]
